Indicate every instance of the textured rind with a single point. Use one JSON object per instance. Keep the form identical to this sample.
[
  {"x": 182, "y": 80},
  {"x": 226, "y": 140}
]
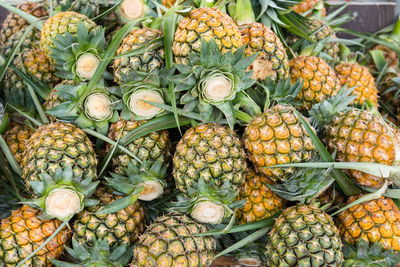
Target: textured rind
[
  {"x": 306, "y": 5},
  {"x": 360, "y": 136},
  {"x": 16, "y": 138},
  {"x": 13, "y": 23},
  {"x": 319, "y": 80},
  {"x": 60, "y": 24},
  {"x": 304, "y": 235},
  {"x": 272, "y": 60},
  {"x": 121, "y": 227},
  {"x": 212, "y": 152},
  {"x": 206, "y": 23},
  {"x": 58, "y": 145},
  {"x": 23, "y": 232},
  {"x": 277, "y": 137},
  {"x": 260, "y": 201},
  {"x": 149, "y": 61},
  {"x": 376, "y": 220},
  {"x": 359, "y": 77},
  {"x": 170, "y": 241},
  {"x": 151, "y": 147}
]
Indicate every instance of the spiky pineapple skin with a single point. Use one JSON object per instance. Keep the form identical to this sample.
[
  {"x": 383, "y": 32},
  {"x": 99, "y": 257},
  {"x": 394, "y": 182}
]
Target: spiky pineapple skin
[
  {"x": 16, "y": 138},
  {"x": 13, "y": 23},
  {"x": 319, "y": 80},
  {"x": 168, "y": 3},
  {"x": 32, "y": 40},
  {"x": 206, "y": 23},
  {"x": 376, "y": 220},
  {"x": 212, "y": 152},
  {"x": 90, "y": 8},
  {"x": 170, "y": 241},
  {"x": 149, "y": 61},
  {"x": 355, "y": 75},
  {"x": 57, "y": 145},
  {"x": 151, "y": 147},
  {"x": 121, "y": 227},
  {"x": 272, "y": 60},
  {"x": 304, "y": 235},
  {"x": 307, "y": 5},
  {"x": 360, "y": 136},
  {"x": 23, "y": 232},
  {"x": 260, "y": 201},
  {"x": 277, "y": 137},
  {"x": 60, "y": 24}
]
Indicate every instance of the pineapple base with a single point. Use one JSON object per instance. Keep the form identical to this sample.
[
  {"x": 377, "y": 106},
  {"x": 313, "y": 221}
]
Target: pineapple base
[{"x": 208, "y": 212}]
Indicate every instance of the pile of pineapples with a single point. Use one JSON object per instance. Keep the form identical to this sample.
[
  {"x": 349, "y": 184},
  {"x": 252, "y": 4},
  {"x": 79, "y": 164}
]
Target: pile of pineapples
[{"x": 169, "y": 133}]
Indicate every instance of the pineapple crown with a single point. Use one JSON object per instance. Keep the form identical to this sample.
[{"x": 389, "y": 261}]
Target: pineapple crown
[
  {"x": 62, "y": 194},
  {"x": 77, "y": 57},
  {"x": 208, "y": 202},
  {"x": 4, "y": 119},
  {"x": 322, "y": 113},
  {"x": 211, "y": 81},
  {"x": 100, "y": 254},
  {"x": 95, "y": 110},
  {"x": 139, "y": 93},
  {"x": 145, "y": 181},
  {"x": 369, "y": 255},
  {"x": 305, "y": 185}
]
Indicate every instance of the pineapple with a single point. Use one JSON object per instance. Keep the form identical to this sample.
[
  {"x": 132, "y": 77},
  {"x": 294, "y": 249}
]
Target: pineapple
[
  {"x": 13, "y": 23},
  {"x": 305, "y": 7},
  {"x": 261, "y": 202},
  {"x": 121, "y": 227},
  {"x": 389, "y": 55},
  {"x": 60, "y": 24},
  {"x": 376, "y": 221},
  {"x": 16, "y": 137},
  {"x": 151, "y": 147},
  {"x": 89, "y": 8},
  {"x": 272, "y": 61},
  {"x": 361, "y": 136},
  {"x": 277, "y": 137},
  {"x": 147, "y": 62},
  {"x": 304, "y": 235},
  {"x": 57, "y": 145},
  {"x": 23, "y": 232},
  {"x": 205, "y": 23},
  {"x": 210, "y": 153},
  {"x": 170, "y": 241},
  {"x": 355, "y": 75},
  {"x": 168, "y": 3},
  {"x": 32, "y": 40},
  {"x": 319, "y": 80}
]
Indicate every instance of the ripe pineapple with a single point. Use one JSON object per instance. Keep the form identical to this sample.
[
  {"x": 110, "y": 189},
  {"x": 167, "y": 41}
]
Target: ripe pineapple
[
  {"x": 272, "y": 60},
  {"x": 61, "y": 23},
  {"x": 147, "y": 62},
  {"x": 151, "y": 147},
  {"x": 304, "y": 235},
  {"x": 376, "y": 221},
  {"x": 361, "y": 136},
  {"x": 277, "y": 137},
  {"x": 170, "y": 241},
  {"x": 56, "y": 145},
  {"x": 13, "y": 23},
  {"x": 306, "y": 6},
  {"x": 353, "y": 74},
  {"x": 168, "y": 3},
  {"x": 319, "y": 80},
  {"x": 212, "y": 153},
  {"x": 23, "y": 232},
  {"x": 205, "y": 23},
  {"x": 261, "y": 202},
  {"x": 16, "y": 137},
  {"x": 121, "y": 227}
]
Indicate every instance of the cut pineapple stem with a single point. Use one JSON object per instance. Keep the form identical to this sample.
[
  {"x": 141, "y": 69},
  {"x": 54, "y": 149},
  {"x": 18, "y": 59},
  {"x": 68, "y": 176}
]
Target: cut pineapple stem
[
  {"x": 63, "y": 203},
  {"x": 98, "y": 107},
  {"x": 208, "y": 212},
  {"x": 132, "y": 9},
  {"x": 86, "y": 65},
  {"x": 244, "y": 12},
  {"x": 217, "y": 88},
  {"x": 151, "y": 190},
  {"x": 139, "y": 106}
]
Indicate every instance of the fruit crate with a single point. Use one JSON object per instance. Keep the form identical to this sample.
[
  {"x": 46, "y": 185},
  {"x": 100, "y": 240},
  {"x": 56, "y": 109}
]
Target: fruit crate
[{"x": 384, "y": 12}]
